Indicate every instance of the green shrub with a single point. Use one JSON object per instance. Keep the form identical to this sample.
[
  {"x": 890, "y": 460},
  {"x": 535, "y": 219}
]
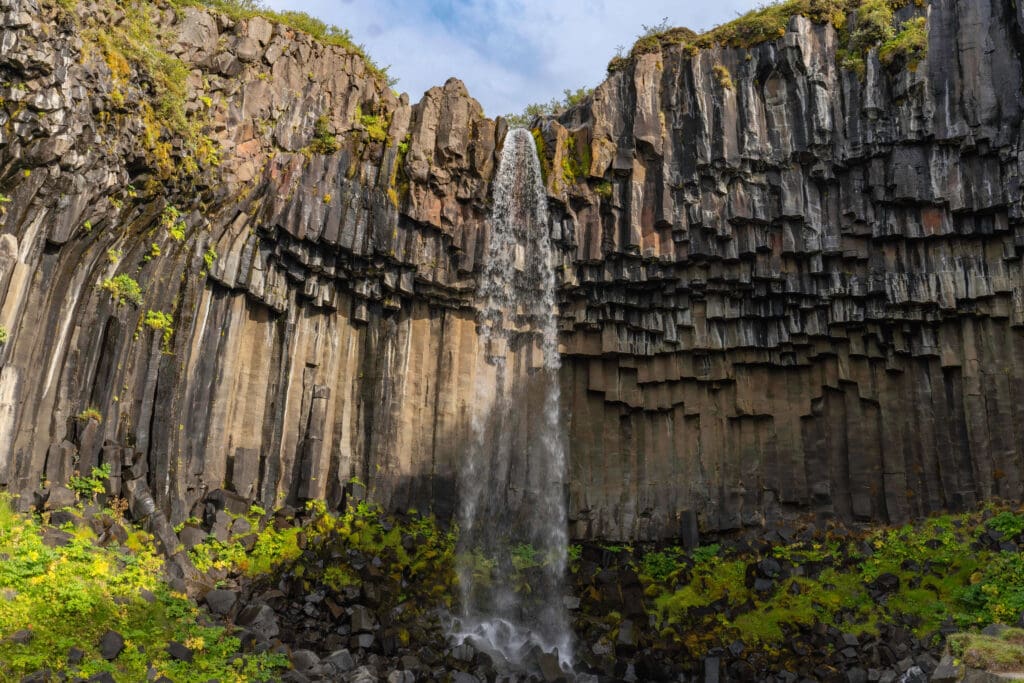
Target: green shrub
[
  {"x": 376, "y": 126},
  {"x": 909, "y": 46},
  {"x": 88, "y": 487},
  {"x": 123, "y": 289},
  {"x": 555, "y": 107}
]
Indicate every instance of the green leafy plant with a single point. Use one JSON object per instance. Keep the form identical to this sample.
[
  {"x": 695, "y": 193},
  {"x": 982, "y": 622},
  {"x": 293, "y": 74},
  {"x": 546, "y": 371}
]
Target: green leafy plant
[
  {"x": 154, "y": 251},
  {"x": 92, "y": 485},
  {"x": 209, "y": 256},
  {"x": 69, "y": 595},
  {"x": 3, "y": 335},
  {"x": 161, "y": 322},
  {"x": 171, "y": 220},
  {"x": 123, "y": 289},
  {"x": 90, "y": 413}
]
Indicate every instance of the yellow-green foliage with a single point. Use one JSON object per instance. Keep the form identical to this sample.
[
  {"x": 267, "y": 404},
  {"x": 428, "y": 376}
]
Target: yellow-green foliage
[
  {"x": 134, "y": 51},
  {"x": 1004, "y": 652},
  {"x": 604, "y": 190},
  {"x": 909, "y": 45},
  {"x": 942, "y": 575},
  {"x": 154, "y": 251},
  {"x": 161, "y": 322},
  {"x": 69, "y": 596},
  {"x": 88, "y": 487},
  {"x": 376, "y": 126},
  {"x": 3, "y": 335},
  {"x": 324, "y": 141},
  {"x": 171, "y": 220},
  {"x": 90, "y": 413},
  {"x": 862, "y": 24},
  {"x": 123, "y": 289},
  {"x": 426, "y": 570},
  {"x": 722, "y": 76},
  {"x": 209, "y": 256}
]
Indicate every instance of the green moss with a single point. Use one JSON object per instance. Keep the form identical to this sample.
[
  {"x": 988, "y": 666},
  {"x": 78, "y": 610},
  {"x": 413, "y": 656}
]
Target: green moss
[
  {"x": 324, "y": 140},
  {"x": 123, "y": 289},
  {"x": 209, "y": 256},
  {"x": 3, "y": 335},
  {"x": 161, "y": 322},
  {"x": 604, "y": 190},
  {"x": 542, "y": 156},
  {"x": 575, "y": 161}
]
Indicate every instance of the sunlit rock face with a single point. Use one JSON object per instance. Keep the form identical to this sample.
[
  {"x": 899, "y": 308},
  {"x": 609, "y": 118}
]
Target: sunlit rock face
[{"x": 800, "y": 293}]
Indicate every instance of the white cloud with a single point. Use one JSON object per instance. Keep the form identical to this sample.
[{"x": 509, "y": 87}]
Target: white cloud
[{"x": 509, "y": 52}]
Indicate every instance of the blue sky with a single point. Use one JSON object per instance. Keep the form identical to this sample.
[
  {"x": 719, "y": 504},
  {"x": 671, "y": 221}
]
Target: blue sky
[{"x": 509, "y": 52}]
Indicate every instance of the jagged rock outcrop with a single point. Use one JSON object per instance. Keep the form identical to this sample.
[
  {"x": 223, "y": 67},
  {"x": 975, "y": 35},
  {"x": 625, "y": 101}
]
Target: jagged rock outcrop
[{"x": 792, "y": 289}]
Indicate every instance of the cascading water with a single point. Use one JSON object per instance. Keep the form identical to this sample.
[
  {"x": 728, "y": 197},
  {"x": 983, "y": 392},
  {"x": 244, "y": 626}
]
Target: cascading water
[{"x": 513, "y": 513}]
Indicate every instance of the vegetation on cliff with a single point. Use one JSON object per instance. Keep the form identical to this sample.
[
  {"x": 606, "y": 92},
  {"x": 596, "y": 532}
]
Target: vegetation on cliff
[{"x": 863, "y": 25}]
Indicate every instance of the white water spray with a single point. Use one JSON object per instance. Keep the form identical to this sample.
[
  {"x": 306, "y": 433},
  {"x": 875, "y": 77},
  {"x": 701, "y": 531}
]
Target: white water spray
[{"x": 512, "y": 501}]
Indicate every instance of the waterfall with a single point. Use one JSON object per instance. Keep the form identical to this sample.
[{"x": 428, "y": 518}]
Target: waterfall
[{"x": 512, "y": 503}]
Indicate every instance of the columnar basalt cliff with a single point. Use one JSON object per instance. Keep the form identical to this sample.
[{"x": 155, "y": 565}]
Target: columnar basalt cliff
[{"x": 784, "y": 286}]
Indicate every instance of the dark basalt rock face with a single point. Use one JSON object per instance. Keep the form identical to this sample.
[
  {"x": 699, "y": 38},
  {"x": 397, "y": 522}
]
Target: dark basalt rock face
[{"x": 803, "y": 292}]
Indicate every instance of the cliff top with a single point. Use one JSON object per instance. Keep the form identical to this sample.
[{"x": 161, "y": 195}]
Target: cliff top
[{"x": 863, "y": 25}]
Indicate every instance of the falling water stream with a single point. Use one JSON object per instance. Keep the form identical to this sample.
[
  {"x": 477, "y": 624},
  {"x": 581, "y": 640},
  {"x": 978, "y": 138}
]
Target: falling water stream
[{"x": 512, "y": 503}]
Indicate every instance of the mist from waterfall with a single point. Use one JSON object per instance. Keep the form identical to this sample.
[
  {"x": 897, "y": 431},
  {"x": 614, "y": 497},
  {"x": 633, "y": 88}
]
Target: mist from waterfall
[{"x": 512, "y": 499}]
